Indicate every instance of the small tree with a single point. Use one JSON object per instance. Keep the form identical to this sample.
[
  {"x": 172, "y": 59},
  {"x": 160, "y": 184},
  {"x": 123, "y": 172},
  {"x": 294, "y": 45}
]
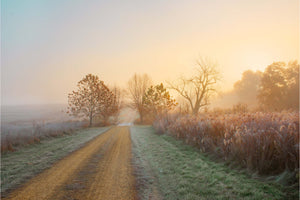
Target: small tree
[
  {"x": 137, "y": 87},
  {"x": 111, "y": 105},
  {"x": 158, "y": 101},
  {"x": 91, "y": 98},
  {"x": 198, "y": 89}
]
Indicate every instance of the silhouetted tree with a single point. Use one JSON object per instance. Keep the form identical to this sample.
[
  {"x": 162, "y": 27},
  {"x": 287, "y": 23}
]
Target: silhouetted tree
[
  {"x": 137, "y": 87},
  {"x": 292, "y": 77},
  {"x": 279, "y": 87},
  {"x": 198, "y": 89},
  {"x": 107, "y": 106},
  {"x": 112, "y": 105},
  {"x": 91, "y": 99},
  {"x": 247, "y": 88},
  {"x": 157, "y": 101}
]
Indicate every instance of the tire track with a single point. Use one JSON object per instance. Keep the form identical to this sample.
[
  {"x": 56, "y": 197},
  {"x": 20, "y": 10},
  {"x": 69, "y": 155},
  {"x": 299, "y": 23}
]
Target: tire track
[
  {"x": 114, "y": 179},
  {"x": 100, "y": 170}
]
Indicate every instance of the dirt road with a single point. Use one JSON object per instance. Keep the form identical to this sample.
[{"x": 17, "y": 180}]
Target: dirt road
[{"x": 100, "y": 170}]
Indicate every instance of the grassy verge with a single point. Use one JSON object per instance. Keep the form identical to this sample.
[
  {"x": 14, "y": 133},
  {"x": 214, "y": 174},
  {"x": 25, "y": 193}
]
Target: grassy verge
[
  {"x": 17, "y": 167},
  {"x": 180, "y": 171},
  {"x": 15, "y": 136}
]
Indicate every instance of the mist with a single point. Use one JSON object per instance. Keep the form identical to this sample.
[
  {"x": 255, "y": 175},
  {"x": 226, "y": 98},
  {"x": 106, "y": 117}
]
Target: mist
[{"x": 48, "y": 46}]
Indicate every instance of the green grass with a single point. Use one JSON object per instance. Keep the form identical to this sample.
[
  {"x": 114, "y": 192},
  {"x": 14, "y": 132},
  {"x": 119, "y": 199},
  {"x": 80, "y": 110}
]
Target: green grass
[
  {"x": 180, "y": 171},
  {"x": 18, "y": 166}
]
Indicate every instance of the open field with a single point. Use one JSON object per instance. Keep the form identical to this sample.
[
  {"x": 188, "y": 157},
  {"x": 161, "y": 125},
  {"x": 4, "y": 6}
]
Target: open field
[
  {"x": 123, "y": 164},
  {"x": 17, "y": 167},
  {"x": 27, "y": 124},
  {"x": 173, "y": 170},
  {"x": 99, "y": 170},
  {"x": 150, "y": 100},
  {"x": 24, "y": 114}
]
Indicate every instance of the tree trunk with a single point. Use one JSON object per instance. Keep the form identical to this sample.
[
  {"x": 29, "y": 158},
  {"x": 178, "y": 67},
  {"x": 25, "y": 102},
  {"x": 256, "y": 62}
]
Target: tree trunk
[
  {"x": 196, "y": 110},
  {"x": 142, "y": 117},
  {"x": 91, "y": 119},
  {"x": 105, "y": 120}
]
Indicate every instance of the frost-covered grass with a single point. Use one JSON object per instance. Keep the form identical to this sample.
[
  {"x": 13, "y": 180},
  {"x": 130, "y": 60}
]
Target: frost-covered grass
[
  {"x": 264, "y": 142},
  {"x": 15, "y": 136},
  {"x": 18, "y": 166},
  {"x": 180, "y": 171}
]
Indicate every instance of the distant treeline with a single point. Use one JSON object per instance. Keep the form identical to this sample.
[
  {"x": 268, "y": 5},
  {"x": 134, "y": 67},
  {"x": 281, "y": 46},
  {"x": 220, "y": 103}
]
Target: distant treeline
[{"x": 275, "y": 89}]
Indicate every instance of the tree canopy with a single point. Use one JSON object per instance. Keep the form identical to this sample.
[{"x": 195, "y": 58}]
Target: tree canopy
[
  {"x": 92, "y": 99},
  {"x": 247, "y": 88},
  {"x": 279, "y": 88},
  {"x": 157, "y": 101}
]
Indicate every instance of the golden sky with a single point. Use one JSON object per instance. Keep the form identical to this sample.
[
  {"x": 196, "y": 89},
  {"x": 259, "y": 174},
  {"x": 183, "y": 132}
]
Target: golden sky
[{"x": 48, "y": 46}]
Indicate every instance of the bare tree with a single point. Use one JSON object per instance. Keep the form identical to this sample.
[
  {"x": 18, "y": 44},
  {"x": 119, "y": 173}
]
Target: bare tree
[
  {"x": 116, "y": 103},
  {"x": 198, "y": 89},
  {"x": 137, "y": 87}
]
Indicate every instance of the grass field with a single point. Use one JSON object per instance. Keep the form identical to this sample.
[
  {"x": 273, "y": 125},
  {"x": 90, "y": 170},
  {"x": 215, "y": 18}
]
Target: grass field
[
  {"x": 17, "y": 167},
  {"x": 266, "y": 143},
  {"x": 168, "y": 168}
]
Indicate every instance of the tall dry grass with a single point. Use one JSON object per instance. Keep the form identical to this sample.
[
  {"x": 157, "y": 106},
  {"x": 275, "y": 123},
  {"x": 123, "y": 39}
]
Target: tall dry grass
[
  {"x": 13, "y": 137},
  {"x": 263, "y": 142}
]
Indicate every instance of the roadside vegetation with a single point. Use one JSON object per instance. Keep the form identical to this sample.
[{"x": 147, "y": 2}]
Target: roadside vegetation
[
  {"x": 259, "y": 134},
  {"x": 170, "y": 169},
  {"x": 17, "y": 167},
  {"x": 266, "y": 144},
  {"x": 14, "y": 137},
  {"x": 262, "y": 142}
]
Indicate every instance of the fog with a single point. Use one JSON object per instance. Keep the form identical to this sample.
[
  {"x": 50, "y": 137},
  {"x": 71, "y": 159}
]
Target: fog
[
  {"x": 22, "y": 114},
  {"x": 48, "y": 46},
  {"x": 244, "y": 91}
]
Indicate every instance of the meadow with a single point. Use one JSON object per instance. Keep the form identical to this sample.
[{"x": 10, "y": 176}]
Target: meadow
[
  {"x": 167, "y": 168},
  {"x": 148, "y": 100},
  {"x": 263, "y": 143},
  {"x": 25, "y": 125}
]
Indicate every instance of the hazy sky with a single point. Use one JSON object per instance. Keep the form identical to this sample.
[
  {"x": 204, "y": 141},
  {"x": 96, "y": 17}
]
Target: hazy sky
[{"x": 48, "y": 46}]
